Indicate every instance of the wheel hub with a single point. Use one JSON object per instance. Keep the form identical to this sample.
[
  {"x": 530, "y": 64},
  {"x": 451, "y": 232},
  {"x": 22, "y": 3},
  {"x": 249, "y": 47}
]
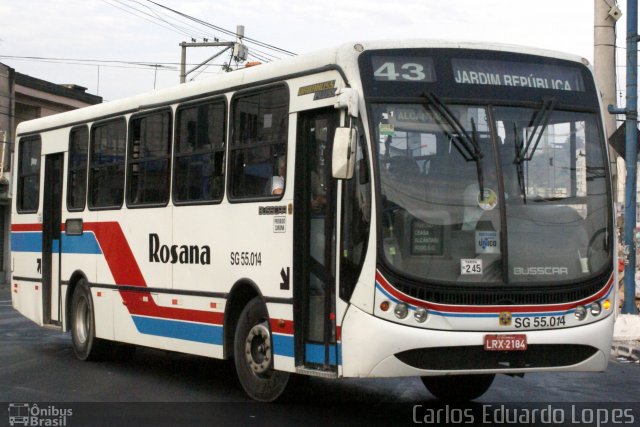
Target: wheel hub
[
  {"x": 258, "y": 348},
  {"x": 82, "y": 320}
]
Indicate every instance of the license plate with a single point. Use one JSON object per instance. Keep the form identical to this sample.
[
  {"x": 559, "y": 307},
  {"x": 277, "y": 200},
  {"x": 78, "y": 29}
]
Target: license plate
[{"x": 514, "y": 342}]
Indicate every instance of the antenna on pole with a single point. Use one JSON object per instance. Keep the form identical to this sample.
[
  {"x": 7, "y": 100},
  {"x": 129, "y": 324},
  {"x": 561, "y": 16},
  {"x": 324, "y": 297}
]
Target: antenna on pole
[{"x": 239, "y": 52}]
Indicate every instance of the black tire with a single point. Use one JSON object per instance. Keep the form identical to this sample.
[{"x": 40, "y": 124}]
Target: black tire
[
  {"x": 83, "y": 336},
  {"x": 458, "y": 388},
  {"x": 253, "y": 354}
]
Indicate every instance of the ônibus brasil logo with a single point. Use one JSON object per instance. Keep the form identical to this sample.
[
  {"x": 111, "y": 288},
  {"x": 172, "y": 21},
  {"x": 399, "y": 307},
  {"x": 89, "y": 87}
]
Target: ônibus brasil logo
[{"x": 25, "y": 414}]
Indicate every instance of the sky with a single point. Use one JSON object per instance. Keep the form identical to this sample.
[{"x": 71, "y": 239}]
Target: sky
[{"x": 70, "y": 36}]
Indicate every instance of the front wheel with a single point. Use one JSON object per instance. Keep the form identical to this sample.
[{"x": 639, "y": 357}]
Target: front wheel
[
  {"x": 458, "y": 388},
  {"x": 253, "y": 354}
]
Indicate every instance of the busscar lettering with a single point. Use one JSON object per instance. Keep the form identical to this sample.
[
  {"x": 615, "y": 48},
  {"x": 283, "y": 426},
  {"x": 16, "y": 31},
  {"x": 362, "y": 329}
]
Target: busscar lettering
[
  {"x": 317, "y": 87},
  {"x": 540, "y": 271},
  {"x": 177, "y": 254},
  {"x": 272, "y": 210}
]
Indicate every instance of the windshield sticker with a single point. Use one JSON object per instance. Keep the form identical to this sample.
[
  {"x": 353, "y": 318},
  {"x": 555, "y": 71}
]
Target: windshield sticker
[
  {"x": 487, "y": 242},
  {"x": 470, "y": 266},
  {"x": 517, "y": 74},
  {"x": 489, "y": 200},
  {"x": 387, "y": 129},
  {"x": 279, "y": 224}
]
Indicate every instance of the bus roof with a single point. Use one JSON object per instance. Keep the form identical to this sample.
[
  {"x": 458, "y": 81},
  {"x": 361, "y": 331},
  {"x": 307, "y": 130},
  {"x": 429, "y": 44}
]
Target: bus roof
[{"x": 345, "y": 55}]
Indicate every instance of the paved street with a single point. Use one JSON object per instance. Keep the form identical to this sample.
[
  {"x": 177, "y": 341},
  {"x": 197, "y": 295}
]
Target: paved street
[{"x": 38, "y": 365}]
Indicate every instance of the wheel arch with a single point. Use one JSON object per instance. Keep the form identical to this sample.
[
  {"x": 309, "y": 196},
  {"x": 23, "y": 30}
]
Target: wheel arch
[{"x": 243, "y": 291}]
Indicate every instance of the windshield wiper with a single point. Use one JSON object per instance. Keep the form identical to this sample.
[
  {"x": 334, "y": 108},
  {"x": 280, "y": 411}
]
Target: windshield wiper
[
  {"x": 539, "y": 125},
  {"x": 518, "y": 143},
  {"x": 467, "y": 145}
]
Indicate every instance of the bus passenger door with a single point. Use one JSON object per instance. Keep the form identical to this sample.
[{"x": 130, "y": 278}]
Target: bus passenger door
[
  {"x": 315, "y": 242},
  {"x": 51, "y": 245}
]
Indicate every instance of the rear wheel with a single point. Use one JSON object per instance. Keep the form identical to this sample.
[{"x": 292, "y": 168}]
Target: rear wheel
[
  {"x": 85, "y": 344},
  {"x": 253, "y": 354},
  {"x": 458, "y": 388}
]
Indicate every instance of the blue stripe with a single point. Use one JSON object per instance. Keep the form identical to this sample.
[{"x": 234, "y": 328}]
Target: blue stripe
[
  {"x": 84, "y": 244},
  {"x": 32, "y": 242},
  {"x": 208, "y": 334},
  {"x": 26, "y": 242},
  {"x": 283, "y": 345},
  {"x": 314, "y": 353}
]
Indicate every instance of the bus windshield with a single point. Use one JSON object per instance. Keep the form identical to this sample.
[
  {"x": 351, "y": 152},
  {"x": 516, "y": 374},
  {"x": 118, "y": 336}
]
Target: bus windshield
[{"x": 505, "y": 195}]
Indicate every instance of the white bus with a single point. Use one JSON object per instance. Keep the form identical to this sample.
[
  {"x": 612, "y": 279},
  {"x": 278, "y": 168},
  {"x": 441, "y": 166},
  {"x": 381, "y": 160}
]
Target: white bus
[{"x": 383, "y": 209}]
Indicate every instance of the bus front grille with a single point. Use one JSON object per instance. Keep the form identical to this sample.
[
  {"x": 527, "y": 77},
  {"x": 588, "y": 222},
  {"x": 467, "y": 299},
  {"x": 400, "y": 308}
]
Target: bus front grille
[
  {"x": 475, "y": 357},
  {"x": 467, "y": 295}
]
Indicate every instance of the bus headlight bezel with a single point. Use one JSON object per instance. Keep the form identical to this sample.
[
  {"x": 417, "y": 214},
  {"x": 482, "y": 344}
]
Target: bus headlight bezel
[
  {"x": 581, "y": 312},
  {"x": 401, "y": 310},
  {"x": 420, "y": 314}
]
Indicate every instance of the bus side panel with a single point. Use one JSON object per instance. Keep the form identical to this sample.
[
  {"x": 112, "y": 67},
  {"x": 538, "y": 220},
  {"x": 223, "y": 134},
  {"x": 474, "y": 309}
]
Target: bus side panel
[
  {"x": 139, "y": 255},
  {"x": 282, "y": 336},
  {"x": 258, "y": 248},
  {"x": 254, "y": 247},
  {"x": 26, "y": 298},
  {"x": 162, "y": 331},
  {"x": 124, "y": 237},
  {"x": 26, "y": 264}
]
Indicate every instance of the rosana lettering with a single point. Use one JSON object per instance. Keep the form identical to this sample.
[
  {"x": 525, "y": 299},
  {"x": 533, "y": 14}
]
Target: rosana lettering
[{"x": 180, "y": 254}]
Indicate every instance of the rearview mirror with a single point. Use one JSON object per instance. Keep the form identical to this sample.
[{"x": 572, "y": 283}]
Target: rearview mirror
[{"x": 343, "y": 157}]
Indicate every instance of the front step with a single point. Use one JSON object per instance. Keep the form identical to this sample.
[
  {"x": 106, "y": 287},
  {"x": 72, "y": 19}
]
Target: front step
[{"x": 304, "y": 370}]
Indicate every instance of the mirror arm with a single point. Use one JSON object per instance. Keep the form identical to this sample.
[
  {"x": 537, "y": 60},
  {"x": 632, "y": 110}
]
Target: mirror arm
[{"x": 347, "y": 98}]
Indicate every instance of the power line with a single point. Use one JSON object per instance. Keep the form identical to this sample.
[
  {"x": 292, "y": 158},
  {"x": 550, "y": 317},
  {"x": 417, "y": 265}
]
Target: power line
[
  {"x": 101, "y": 62},
  {"x": 184, "y": 28},
  {"x": 223, "y": 30},
  {"x": 142, "y": 17}
]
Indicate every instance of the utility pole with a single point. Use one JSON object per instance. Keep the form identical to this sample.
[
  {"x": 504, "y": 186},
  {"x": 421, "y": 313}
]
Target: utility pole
[
  {"x": 631, "y": 156},
  {"x": 240, "y": 52},
  {"x": 604, "y": 54}
]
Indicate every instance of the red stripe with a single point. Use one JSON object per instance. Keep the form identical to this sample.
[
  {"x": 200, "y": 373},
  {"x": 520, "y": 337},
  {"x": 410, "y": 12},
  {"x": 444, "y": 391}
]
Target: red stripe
[
  {"x": 26, "y": 227},
  {"x": 286, "y": 328},
  {"x": 490, "y": 308},
  {"x": 138, "y": 307},
  {"x": 117, "y": 253}
]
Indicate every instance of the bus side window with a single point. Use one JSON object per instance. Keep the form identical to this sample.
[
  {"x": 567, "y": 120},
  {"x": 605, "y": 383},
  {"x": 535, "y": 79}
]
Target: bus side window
[
  {"x": 199, "y": 153},
  {"x": 29, "y": 174},
  {"x": 260, "y": 126},
  {"x": 107, "y": 164},
  {"x": 149, "y": 158},
  {"x": 356, "y": 219},
  {"x": 77, "y": 175}
]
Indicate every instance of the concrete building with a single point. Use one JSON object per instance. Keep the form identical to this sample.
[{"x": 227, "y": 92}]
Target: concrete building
[{"x": 24, "y": 98}]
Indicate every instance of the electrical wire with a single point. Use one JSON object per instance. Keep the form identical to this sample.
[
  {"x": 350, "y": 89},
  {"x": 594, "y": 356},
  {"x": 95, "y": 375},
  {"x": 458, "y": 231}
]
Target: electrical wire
[
  {"x": 142, "y": 17},
  {"x": 184, "y": 28},
  {"x": 223, "y": 30}
]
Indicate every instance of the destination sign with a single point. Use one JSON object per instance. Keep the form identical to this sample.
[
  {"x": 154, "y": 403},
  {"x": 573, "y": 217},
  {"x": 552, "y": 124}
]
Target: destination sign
[
  {"x": 426, "y": 239},
  {"x": 517, "y": 74}
]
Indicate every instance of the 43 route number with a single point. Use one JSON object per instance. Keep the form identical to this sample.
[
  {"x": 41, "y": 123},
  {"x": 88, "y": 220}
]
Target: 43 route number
[{"x": 409, "y": 71}]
